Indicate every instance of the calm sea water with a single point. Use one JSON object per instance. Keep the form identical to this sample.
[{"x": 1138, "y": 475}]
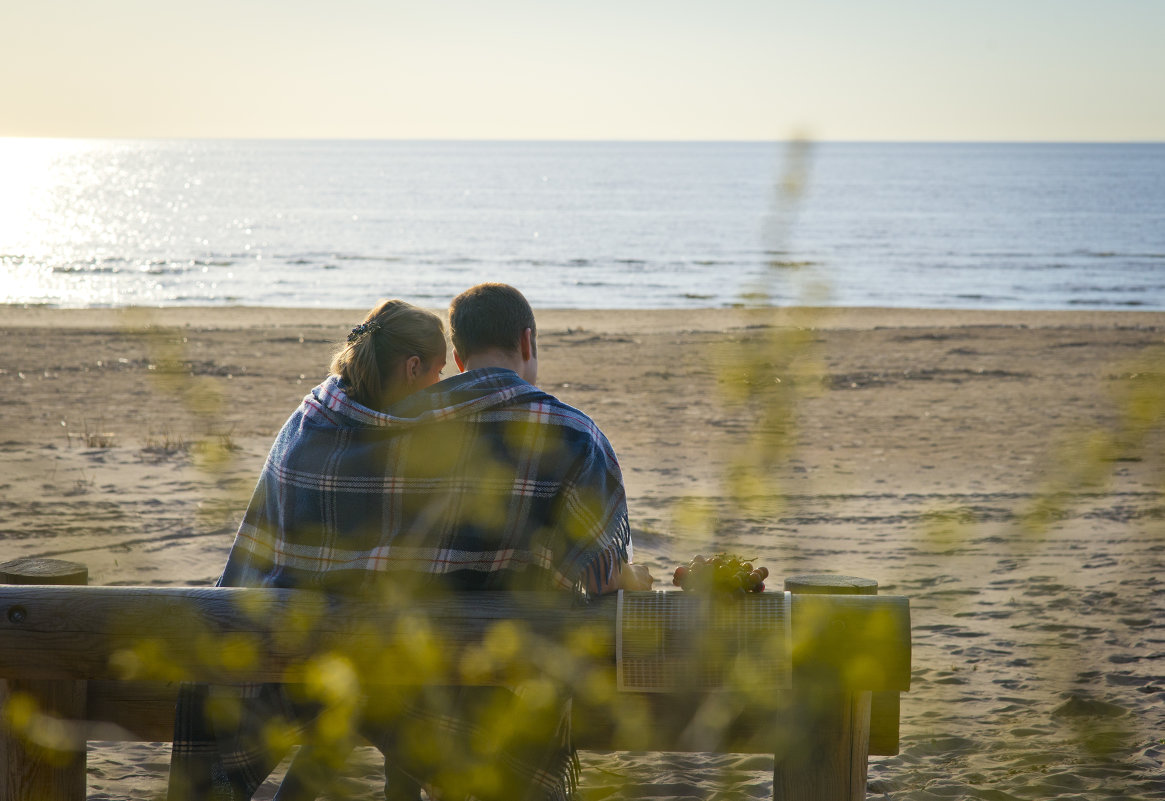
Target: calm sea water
[{"x": 583, "y": 225}]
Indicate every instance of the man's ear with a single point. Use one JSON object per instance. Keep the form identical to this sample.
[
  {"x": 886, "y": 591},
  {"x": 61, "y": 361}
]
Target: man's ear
[
  {"x": 458, "y": 360},
  {"x": 526, "y": 344}
]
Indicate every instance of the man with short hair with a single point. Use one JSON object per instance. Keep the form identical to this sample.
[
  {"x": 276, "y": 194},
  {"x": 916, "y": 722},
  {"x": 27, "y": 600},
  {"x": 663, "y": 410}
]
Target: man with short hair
[{"x": 495, "y": 345}]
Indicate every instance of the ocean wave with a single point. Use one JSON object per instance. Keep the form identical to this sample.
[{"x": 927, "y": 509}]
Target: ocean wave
[
  {"x": 88, "y": 269},
  {"x": 1105, "y": 303},
  {"x": 790, "y": 264},
  {"x": 120, "y": 266},
  {"x": 311, "y": 259},
  {"x": 362, "y": 257},
  {"x": 163, "y": 268},
  {"x": 206, "y": 300},
  {"x": 1118, "y": 289},
  {"x": 995, "y": 254},
  {"x": 1117, "y": 254}
]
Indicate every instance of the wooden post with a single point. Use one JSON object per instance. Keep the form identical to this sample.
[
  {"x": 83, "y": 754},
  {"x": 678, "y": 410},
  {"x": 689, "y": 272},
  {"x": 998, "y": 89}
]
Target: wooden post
[
  {"x": 828, "y": 584},
  {"x": 33, "y": 772},
  {"x": 885, "y": 707},
  {"x": 828, "y": 759}
]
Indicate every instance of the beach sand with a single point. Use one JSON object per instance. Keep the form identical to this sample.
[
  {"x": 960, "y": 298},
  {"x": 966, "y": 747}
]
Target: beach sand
[{"x": 913, "y": 449}]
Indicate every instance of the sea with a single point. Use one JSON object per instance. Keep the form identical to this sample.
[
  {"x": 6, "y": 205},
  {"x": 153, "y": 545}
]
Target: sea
[{"x": 338, "y": 224}]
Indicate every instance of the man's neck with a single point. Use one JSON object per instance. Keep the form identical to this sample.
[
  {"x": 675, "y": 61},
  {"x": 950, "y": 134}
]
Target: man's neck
[{"x": 509, "y": 360}]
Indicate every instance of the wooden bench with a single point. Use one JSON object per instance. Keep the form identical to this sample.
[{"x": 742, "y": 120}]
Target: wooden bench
[{"x": 102, "y": 663}]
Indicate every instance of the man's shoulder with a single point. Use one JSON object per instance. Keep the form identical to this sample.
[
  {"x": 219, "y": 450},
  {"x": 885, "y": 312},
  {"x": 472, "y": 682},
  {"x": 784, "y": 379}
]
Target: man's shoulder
[
  {"x": 491, "y": 396},
  {"x": 550, "y": 410},
  {"x": 513, "y": 397}
]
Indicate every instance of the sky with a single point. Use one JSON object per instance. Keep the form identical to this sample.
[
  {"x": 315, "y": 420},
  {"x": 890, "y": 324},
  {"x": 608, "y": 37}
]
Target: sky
[{"x": 874, "y": 70}]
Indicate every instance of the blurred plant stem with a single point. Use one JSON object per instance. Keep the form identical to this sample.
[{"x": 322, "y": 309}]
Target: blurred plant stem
[{"x": 203, "y": 399}]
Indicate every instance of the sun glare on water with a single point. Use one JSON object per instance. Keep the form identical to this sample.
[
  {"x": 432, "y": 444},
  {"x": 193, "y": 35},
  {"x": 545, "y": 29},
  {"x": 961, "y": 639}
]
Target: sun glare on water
[{"x": 45, "y": 222}]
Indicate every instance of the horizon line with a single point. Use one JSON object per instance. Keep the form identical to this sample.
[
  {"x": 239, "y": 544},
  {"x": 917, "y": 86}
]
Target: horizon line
[{"x": 567, "y": 140}]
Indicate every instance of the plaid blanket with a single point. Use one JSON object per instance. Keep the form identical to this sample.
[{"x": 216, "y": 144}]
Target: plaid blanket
[{"x": 481, "y": 481}]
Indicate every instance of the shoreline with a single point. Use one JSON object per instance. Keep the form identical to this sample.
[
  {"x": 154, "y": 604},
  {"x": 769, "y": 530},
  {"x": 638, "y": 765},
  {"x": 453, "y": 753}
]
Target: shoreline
[{"x": 634, "y": 320}]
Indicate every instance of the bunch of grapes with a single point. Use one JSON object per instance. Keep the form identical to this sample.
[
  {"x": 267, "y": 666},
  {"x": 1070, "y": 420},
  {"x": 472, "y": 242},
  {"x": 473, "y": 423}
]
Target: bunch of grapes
[{"x": 722, "y": 573}]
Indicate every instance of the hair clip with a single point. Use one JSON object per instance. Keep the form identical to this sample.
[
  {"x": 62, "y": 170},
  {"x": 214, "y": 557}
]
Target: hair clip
[{"x": 369, "y": 327}]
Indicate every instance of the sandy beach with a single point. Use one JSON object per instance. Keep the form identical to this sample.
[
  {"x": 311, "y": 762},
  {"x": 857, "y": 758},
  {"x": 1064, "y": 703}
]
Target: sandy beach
[{"x": 1004, "y": 470}]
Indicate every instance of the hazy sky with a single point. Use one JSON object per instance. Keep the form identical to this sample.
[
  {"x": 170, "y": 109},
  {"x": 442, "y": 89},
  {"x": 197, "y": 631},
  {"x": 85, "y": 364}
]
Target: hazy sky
[{"x": 594, "y": 69}]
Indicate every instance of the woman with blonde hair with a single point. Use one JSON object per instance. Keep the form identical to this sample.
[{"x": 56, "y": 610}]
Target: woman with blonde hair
[
  {"x": 397, "y": 350},
  {"x": 310, "y": 525},
  {"x": 321, "y": 528}
]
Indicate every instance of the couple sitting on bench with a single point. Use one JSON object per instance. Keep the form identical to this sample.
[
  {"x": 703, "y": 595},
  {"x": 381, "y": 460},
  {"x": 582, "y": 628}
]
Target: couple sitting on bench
[{"x": 388, "y": 474}]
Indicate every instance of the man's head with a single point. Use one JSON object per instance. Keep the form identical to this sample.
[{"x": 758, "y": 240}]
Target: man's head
[{"x": 493, "y": 325}]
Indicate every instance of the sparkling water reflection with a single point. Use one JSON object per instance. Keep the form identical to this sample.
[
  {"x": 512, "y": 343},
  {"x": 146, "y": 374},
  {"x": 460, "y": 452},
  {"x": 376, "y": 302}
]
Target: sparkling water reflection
[{"x": 301, "y": 223}]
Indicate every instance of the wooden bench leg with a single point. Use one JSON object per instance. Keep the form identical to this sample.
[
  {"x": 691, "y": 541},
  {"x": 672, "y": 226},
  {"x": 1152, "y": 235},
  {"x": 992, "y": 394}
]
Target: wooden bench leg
[
  {"x": 829, "y": 759},
  {"x": 34, "y": 772}
]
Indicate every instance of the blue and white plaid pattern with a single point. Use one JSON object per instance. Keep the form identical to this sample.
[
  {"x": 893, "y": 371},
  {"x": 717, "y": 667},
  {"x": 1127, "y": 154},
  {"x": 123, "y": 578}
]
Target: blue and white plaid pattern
[{"x": 482, "y": 479}]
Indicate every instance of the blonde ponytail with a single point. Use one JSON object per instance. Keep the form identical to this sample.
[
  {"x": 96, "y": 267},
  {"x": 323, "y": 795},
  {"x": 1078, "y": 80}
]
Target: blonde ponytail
[{"x": 390, "y": 333}]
